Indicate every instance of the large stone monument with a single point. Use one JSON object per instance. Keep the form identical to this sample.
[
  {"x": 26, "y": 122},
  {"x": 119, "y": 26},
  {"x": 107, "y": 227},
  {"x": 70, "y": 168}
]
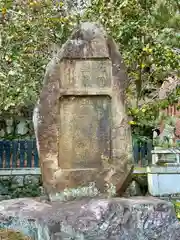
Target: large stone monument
[{"x": 80, "y": 120}]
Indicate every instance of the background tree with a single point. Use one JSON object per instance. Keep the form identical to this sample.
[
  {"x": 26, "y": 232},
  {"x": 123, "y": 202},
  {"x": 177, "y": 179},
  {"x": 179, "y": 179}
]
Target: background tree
[
  {"x": 27, "y": 30},
  {"x": 147, "y": 32}
]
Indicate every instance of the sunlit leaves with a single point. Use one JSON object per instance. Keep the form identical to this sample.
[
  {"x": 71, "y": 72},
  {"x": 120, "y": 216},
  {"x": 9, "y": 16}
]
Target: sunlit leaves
[
  {"x": 146, "y": 32},
  {"x": 27, "y": 29}
]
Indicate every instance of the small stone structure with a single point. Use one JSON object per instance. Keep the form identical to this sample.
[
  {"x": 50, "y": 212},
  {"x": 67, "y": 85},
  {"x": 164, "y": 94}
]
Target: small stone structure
[{"x": 80, "y": 120}]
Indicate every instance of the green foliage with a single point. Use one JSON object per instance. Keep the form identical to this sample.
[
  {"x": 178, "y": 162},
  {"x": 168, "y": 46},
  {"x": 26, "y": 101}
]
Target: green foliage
[
  {"x": 29, "y": 190},
  {"x": 146, "y": 32},
  {"x": 13, "y": 190},
  {"x": 147, "y": 116},
  {"x": 177, "y": 208},
  {"x": 27, "y": 30}
]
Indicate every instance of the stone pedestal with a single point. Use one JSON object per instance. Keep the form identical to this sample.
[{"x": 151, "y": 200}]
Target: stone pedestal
[
  {"x": 163, "y": 180},
  {"x": 126, "y": 219}
]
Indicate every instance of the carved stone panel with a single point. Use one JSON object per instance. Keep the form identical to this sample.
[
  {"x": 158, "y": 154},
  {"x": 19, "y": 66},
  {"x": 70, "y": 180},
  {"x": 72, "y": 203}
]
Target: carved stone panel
[
  {"x": 86, "y": 74},
  {"x": 85, "y": 130}
]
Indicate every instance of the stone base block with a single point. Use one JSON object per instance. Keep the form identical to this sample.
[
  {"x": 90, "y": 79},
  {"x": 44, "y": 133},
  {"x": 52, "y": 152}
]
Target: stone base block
[
  {"x": 163, "y": 181},
  {"x": 92, "y": 219}
]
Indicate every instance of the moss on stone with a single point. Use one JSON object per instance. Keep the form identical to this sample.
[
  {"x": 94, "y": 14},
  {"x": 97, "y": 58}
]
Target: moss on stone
[{"x": 6, "y": 234}]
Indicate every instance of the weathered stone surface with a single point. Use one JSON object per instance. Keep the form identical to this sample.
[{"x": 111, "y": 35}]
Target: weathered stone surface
[
  {"x": 80, "y": 120},
  {"x": 17, "y": 214},
  {"x": 18, "y": 181},
  {"x": 133, "y": 190},
  {"x": 92, "y": 219},
  {"x": 31, "y": 179},
  {"x": 122, "y": 186}
]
